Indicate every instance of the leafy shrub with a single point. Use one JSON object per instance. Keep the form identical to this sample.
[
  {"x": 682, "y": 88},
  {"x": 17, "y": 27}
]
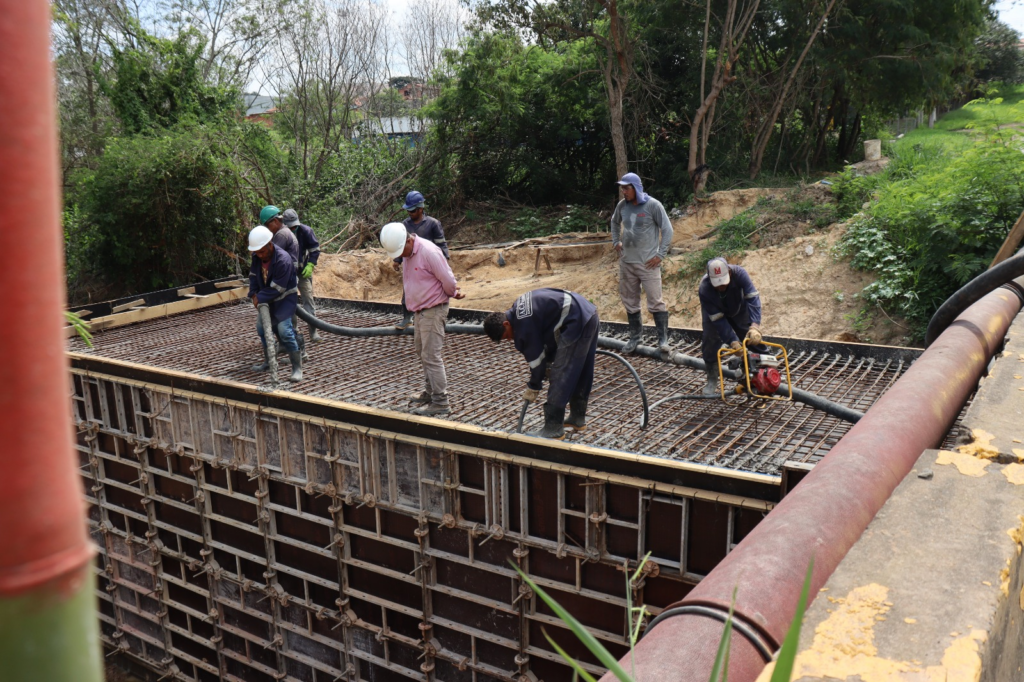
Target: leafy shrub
[
  {"x": 938, "y": 217},
  {"x": 531, "y": 222},
  {"x": 157, "y": 206}
]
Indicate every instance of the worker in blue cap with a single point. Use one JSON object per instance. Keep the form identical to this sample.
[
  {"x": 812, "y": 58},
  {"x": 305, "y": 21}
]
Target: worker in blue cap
[
  {"x": 641, "y": 234},
  {"x": 424, "y": 227}
]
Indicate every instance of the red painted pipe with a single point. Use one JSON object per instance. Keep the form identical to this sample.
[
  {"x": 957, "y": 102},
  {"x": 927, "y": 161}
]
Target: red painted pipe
[
  {"x": 42, "y": 521},
  {"x": 826, "y": 514}
]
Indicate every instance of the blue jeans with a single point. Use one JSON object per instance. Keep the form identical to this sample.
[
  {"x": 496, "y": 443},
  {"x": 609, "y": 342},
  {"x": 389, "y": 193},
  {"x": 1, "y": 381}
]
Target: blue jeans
[{"x": 285, "y": 333}]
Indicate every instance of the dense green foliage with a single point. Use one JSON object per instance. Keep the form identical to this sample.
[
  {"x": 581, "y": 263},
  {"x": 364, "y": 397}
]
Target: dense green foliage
[
  {"x": 937, "y": 214},
  {"x": 158, "y": 205},
  {"x": 999, "y": 54},
  {"x": 160, "y": 83},
  {"x": 520, "y": 122}
]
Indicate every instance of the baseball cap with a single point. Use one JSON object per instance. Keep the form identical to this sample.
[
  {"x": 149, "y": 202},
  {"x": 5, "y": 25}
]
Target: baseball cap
[
  {"x": 290, "y": 217},
  {"x": 718, "y": 272}
]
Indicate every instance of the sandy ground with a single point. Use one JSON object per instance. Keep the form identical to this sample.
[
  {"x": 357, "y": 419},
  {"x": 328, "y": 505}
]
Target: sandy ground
[{"x": 805, "y": 291}]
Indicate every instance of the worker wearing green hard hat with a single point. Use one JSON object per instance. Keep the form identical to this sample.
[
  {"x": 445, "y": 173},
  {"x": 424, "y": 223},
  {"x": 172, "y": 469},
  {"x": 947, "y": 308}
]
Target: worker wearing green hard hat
[
  {"x": 285, "y": 240},
  {"x": 268, "y": 213}
]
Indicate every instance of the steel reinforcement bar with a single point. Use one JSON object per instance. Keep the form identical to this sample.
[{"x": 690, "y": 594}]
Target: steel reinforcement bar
[{"x": 244, "y": 542}]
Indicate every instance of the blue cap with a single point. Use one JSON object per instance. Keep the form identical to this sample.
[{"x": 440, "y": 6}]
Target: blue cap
[{"x": 414, "y": 200}]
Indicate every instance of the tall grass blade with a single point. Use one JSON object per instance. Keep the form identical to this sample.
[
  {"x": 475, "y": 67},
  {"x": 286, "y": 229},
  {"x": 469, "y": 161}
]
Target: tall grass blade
[
  {"x": 578, "y": 670},
  {"x": 595, "y": 647},
  {"x": 787, "y": 654},
  {"x": 720, "y": 670}
]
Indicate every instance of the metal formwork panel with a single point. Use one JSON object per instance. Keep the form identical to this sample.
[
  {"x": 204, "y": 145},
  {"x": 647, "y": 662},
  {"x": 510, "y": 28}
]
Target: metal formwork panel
[{"x": 247, "y": 543}]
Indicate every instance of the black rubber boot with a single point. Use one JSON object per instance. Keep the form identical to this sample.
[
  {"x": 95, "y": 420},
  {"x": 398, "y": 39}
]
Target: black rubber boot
[
  {"x": 553, "y": 418},
  {"x": 577, "y": 418},
  {"x": 296, "y": 358},
  {"x": 635, "y": 327},
  {"x": 314, "y": 334},
  {"x": 405, "y": 322},
  {"x": 266, "y": 362},
  {"x": 661, "y": 324}
]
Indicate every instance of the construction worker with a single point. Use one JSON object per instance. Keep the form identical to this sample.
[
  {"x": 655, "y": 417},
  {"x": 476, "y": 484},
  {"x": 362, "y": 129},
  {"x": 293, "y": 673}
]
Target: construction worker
[
  {"x": 423, "y": 226},
  {"x": 309, "y": 254},
  {"x": 730, "y": 309},
  {"x": 270, "y": 216},
  {"x": 272, "y": 283},
  {"x": 641, "y": 234},
  {"x": 427, "y": 284},
  {"x": 557, "y": 327}
]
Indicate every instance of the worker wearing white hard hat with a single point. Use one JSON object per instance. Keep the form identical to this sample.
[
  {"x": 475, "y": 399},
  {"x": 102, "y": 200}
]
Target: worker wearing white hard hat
[
  {"x": 273, "y": 283},
  {"x": 428, "y": 284}
]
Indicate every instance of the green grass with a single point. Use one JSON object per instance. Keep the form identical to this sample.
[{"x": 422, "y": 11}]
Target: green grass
[{"x": 952, "y": 132}]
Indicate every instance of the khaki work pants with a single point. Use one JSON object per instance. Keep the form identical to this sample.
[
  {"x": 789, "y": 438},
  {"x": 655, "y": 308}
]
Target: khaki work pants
[
  {"x": 429, "y": 338},
  {"x": 634, "y": 275}
]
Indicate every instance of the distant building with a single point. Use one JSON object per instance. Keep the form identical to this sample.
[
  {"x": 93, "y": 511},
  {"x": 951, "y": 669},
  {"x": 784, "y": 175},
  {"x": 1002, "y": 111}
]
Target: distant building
[
  {"x": 408, "y": 128},
  {"x": 260, "y": 108}
]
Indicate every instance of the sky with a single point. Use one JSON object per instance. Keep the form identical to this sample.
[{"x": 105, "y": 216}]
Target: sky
[{"x": 1012, "y": 12}]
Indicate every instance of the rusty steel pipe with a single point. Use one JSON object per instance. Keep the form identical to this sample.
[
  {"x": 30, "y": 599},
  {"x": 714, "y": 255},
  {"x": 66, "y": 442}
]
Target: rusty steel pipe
[
  {"x": 825, "y": 515},
  {"x": 48, "y": 624}
]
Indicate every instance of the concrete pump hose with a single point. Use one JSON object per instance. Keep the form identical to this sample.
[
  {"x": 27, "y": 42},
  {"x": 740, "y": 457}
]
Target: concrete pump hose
[
  {"x": 799, "y": 395},
  {"x": 1001, "y": 275}
]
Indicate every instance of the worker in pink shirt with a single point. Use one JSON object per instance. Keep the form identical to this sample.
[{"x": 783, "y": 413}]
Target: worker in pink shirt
[{"x": 429, "y": 283}]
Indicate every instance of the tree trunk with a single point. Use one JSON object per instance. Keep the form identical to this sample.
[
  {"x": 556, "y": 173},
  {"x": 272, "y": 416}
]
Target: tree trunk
[
  {"x": 614, "y": 91},
  {"x": 768, "y": 127}
]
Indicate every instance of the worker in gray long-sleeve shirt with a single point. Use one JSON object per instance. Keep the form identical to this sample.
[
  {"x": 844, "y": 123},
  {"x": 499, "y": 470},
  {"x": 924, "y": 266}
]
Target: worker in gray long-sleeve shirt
[{"x": 641, "y": 234}]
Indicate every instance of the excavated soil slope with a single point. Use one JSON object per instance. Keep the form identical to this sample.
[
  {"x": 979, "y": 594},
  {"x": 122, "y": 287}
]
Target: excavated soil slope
[{"x": 806, "y": 292}]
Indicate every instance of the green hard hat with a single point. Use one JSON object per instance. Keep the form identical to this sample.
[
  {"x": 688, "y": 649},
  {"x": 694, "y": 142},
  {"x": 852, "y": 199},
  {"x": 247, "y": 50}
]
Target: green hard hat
[{"x": 268, "y": 213}]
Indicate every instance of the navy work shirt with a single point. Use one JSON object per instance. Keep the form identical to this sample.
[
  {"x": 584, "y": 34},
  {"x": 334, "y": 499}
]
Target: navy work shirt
[
  {"x": 536, "y": 315},
  {"x": 719, "y": 307},
  {"x": 279, "y": 288},
  {"x": 429, "y": 229},
  {"x": 309, "y": 247}
]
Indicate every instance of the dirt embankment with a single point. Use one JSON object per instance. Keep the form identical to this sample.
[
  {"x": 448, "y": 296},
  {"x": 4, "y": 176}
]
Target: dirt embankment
[{"x": 805, "y": 291}]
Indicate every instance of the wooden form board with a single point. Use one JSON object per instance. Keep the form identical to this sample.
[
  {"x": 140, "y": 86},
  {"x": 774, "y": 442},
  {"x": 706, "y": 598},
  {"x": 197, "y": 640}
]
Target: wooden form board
[{"x": 141, "y": 314}]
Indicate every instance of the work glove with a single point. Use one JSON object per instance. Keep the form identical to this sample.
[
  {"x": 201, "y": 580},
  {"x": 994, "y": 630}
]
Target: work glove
[
  {"x": 736, "y": 345},
  {"x": 754, "y": 336},
  {"x": 530, "y": 395},
  {"x": 307, "y": 271}
]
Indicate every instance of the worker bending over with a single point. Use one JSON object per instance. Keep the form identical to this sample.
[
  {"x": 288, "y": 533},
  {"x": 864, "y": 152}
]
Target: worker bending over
[
  {"x": 730, "y": 309},
  {"x": 272, "y": 283},
  {"x": 424, "y": 227},
  {"x": 557, "y": 327},
  {"x": 427, "y": 283},
  {"x": 641, "y": 234},
  {"x": 309, "y": 254}
]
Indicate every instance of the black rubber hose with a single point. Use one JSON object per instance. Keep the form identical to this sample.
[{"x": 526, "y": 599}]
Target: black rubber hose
[
  {"x": 985, "y": 283},
  {"x": 799, "y": 395},
  {"x": 646, "y": 418}
]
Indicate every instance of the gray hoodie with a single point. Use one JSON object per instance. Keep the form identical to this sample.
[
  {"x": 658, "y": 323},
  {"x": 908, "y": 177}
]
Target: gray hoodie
[{"x": 644, "y": 228}]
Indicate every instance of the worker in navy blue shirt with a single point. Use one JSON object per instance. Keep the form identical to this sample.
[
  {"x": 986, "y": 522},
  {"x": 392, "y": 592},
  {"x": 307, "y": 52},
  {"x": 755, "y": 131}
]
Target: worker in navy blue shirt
[
  {"x": 730, "y": 309},
  {"x": 272, "y": 283},
  {"x": 424, "y": 227},
  {"x": 309, "y": 254},
  {"x": 557, "y": 327}
]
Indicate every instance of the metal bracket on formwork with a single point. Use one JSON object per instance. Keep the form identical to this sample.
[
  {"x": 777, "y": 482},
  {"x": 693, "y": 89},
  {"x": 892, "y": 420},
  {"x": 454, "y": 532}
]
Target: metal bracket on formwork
[
  {"x": 528, "y": 677},
  {"x": 448, "y": 521},
  {"x": 423, "y": 564},
  {"x": 368, "y": 501},
  {"x": 346, "y": 618},
  {"x": 524, "y": 591},
  {"x": 496, "y": 533},
  {"x": 338, "y": 541}
]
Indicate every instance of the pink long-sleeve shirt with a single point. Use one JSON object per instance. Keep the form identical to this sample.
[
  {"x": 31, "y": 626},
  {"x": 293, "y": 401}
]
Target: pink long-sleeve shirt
[{"x": 427, "y": 277}]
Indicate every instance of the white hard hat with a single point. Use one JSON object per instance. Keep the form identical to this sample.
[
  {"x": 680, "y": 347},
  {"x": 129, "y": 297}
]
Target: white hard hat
[
  {"x": 392, "y": 238},
  {"x": 259, "y": 237}
]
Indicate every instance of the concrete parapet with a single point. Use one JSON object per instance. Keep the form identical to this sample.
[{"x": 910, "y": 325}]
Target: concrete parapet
[{"x": 932, "y": 591}]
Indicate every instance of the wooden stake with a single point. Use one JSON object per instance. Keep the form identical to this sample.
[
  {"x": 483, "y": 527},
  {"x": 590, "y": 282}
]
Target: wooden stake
[{"x": 1011, "y": 242}]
